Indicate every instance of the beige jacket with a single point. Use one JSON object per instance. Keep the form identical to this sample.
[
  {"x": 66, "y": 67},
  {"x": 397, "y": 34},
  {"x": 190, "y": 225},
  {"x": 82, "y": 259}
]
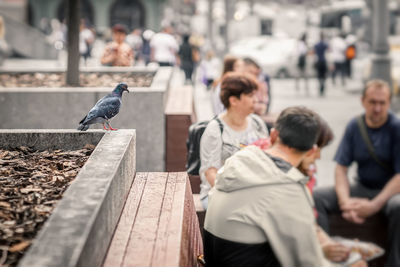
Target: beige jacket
[{"x": 253, "y": 201}]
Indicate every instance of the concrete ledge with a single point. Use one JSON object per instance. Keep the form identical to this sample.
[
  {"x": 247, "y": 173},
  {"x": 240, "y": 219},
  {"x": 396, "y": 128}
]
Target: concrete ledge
[
  {"x": 80, "y": 228},
  {"x": 104, "y": 69},
  {"x": 49, "y": 139},
  {"x": 63, "y": 108}
]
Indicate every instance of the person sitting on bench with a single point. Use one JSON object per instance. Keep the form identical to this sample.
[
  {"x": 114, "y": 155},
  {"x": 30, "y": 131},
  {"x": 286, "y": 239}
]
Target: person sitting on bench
[
  {"x": 232, "y": 129},
  {"x": 260, "y": 211},
  {"x": 373, "y": 142}
]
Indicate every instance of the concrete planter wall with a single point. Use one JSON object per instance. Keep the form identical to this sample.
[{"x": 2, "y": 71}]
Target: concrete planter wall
[
  {"x": 80, "y": 228},
  {"x": 63, "y": 108}
]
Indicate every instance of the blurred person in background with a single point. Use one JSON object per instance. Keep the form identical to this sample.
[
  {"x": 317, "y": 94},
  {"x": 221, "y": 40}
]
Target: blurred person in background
[
  {"x": 351, "y": 53},
  {"x": 58, "y": 34},
  {"x": 135, "y": 41},
  {"x": 118, "y": 52},
  {"x": 146, "y": 49},
  {"x": 231, "y": 63},
  {"x": 44, "y": 26},
  {"x": 86, "y": 40},
  {"x": 4, "y": 49},
  {"x": 251, "y": 67},
  {"x": 321, "y": 65},
  {"x": 338, "y": 51},
  {"x": 302, "y": 51},
  {"x": 164, "y": 47},
  {"x": 210, "y": 68},
  {"x": 187, "y": 58}
]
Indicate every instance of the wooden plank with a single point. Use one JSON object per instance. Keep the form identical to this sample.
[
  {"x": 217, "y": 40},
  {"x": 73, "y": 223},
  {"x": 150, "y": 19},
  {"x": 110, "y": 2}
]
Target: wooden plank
[
  {"x": 192, "y": 243},
  {"x": 168, "y": 241},
  {"x": 117, "y": 249},
  {"x": 195, "y": 183},
  {"x": 140, "y": 248},
  {"x": 177, "y": 127}
]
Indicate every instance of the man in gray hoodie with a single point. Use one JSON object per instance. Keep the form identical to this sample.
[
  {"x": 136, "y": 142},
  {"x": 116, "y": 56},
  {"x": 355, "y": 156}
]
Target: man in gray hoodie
[{"x": 260, "y": 212}]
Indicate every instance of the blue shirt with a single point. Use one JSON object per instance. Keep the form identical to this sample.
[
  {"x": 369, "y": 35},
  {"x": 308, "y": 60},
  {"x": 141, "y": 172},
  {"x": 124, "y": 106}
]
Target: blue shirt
[
  {"x": 386, "y": 143},
  {"x": 320, "y": 49}
]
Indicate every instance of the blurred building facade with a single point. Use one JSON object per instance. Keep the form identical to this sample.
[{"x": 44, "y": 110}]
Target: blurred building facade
[{"x": 102, "y": 14}]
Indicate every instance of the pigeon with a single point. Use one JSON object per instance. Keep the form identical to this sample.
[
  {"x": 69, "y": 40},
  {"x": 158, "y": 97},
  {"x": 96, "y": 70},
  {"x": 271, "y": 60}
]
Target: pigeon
[{"x": 105, "y": 109}]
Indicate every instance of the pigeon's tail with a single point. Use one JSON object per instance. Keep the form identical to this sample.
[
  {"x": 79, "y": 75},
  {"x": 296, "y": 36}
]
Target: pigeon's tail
[
  {"x": 83, "y": 120},
  {"x": 82, "y": 127}
]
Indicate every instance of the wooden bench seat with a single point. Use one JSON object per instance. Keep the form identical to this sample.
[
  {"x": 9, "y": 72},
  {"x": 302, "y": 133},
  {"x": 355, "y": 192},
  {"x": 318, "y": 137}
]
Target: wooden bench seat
[{"x": 158, "y": 225}]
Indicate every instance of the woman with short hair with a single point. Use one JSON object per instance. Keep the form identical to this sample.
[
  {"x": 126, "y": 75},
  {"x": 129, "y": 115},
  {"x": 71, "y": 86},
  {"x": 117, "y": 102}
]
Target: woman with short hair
[{"x": 231, "y": 130}]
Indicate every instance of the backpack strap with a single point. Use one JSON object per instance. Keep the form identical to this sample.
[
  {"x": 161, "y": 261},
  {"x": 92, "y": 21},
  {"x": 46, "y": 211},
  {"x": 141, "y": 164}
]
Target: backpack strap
[
  {"x": 371, "y": 150},
  {"x": 257, "y": 122},
  {"x": 221, "y": 126}
]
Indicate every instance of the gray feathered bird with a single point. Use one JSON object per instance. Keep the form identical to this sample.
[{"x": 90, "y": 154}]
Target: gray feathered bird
[{"x": 105, "y": 109}]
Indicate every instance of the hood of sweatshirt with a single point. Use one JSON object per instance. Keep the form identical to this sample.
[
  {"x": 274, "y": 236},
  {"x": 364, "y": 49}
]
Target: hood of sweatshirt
[{"x": 251, "y": 167}]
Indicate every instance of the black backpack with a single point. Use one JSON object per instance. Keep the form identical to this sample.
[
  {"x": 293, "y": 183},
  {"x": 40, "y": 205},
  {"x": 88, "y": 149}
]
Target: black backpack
[{"x": 196, "y": 130}]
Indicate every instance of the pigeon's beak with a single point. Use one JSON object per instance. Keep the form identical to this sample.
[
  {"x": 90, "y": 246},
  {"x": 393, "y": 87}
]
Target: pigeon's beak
[{"x": 126, "y": 89}]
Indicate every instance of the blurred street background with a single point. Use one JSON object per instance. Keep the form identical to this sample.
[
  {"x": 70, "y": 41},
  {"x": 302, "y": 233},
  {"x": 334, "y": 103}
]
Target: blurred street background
[{"x": 34, "y": 35}]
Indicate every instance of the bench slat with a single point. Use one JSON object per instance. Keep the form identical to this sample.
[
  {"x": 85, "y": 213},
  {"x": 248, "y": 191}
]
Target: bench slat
[
  {"x": 117, "y": 249},
  {"x": 144, "y": 231},
  {"x": 167, "y": 245},
  {"x": 192, "y": 241}
]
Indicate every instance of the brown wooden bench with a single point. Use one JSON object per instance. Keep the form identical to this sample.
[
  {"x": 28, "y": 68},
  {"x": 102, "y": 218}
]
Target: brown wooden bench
[
  {"x": 200, "y": 211},
  {"x": 179, "y": 116},
  {"x": 373, "y": 230},
  {"x": 158, "y": 225}
]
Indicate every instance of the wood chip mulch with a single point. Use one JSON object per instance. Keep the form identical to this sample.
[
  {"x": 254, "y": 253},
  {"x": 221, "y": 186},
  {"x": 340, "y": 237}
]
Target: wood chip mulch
[
  {"x": 31, "y": 184},
  {"x": 41, "y": 79}
]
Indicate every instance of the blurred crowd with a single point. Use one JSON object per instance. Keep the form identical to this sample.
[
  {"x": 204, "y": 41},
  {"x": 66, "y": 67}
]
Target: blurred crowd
[{"x": 331, "y": 57}]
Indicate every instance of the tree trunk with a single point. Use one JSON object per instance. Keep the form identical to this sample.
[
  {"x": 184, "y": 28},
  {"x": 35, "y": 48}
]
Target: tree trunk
[{"x": 73, "y": 15}]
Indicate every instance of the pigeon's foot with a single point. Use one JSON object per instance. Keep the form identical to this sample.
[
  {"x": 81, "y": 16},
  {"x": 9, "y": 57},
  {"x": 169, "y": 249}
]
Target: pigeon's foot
[{"x": 113, "y": 129}]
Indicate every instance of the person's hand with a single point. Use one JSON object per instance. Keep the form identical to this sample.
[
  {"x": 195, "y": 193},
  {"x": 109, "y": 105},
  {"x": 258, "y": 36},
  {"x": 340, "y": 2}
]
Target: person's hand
[
  {"x": 351, "y": 203},
  {"x": 349, "y": 212},
  {"x": 335, "y": 252},
  {"x": 366, "y": 208},
  {"x": 360, "y": 263},
  {"x": 352, "y": 216},
  {"x": 355, "y": 208}
]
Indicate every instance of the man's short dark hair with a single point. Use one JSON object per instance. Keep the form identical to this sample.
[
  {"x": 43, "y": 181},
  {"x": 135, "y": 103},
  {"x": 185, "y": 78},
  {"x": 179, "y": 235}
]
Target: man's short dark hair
[
  {"x": 377, "y": 83},
  {"x": 235, "y": 84},
  {"x": 298, "y": 128}
]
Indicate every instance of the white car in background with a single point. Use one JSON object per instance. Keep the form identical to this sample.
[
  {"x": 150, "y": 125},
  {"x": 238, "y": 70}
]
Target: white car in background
[{"x": 277, "y": 55}]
